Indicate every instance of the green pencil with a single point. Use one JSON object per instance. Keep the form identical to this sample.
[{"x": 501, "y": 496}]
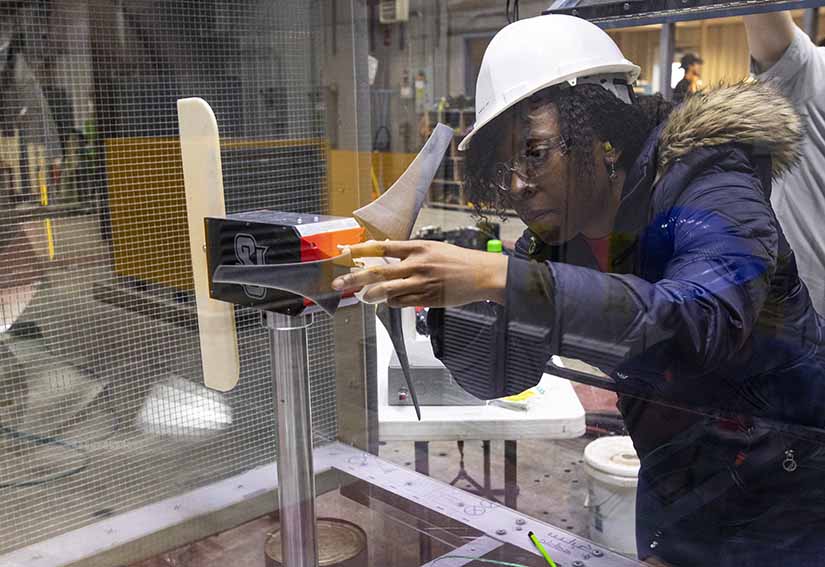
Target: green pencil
[{"x": 541, "y": 549}]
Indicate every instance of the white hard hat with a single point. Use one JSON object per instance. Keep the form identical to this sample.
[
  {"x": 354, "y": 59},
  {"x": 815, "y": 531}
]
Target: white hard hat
[{"x": 533, "y": 54}]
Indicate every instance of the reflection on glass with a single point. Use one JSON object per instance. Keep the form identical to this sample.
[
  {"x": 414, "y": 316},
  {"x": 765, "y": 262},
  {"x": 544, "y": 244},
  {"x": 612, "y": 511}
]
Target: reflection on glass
[
  {"x": 653, "y": 256},
  {"x": 581, "y": 247}
]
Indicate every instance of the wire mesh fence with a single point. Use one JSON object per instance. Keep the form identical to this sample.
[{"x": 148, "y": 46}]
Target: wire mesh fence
[{"x": 102, "y": 407}]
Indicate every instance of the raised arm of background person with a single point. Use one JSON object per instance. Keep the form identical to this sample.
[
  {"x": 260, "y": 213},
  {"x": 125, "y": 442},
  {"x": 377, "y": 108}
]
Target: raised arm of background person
[{"x": 769, "y": 35}]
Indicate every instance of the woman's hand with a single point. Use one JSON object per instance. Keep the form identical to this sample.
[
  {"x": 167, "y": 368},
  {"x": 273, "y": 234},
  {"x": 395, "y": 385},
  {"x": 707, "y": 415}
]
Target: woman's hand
[{"x": 430, "y": 274}]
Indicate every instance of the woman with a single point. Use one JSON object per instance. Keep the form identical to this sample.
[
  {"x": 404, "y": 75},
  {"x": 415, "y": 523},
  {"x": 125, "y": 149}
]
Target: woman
[{"x": 651, "y": 252}]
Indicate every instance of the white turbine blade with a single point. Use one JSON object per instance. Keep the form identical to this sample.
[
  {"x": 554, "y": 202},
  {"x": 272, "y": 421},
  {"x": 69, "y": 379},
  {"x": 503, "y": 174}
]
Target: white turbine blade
[{"x": 203, "y": 181}]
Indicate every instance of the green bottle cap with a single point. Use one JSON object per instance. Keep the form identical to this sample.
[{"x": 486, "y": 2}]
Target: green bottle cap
[{"x": 494, "y": 246}]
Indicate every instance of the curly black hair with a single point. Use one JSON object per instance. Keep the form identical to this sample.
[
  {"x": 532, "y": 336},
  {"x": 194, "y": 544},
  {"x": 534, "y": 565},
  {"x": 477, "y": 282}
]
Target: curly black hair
[{"x": 586, "y": 112}]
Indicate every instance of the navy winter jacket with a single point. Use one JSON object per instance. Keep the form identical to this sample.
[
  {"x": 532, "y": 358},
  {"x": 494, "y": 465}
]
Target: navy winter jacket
[{"x": 702, "y": 326}]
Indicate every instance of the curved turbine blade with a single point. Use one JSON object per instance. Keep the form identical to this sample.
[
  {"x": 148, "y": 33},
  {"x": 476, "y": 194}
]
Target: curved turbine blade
[
  {"x": 312, "y": 280},
  {"x": 393, "y": 214},
  {"x": 390, "y": 317}
]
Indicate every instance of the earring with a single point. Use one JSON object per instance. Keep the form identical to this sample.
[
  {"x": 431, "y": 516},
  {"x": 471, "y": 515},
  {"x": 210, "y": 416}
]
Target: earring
[
  {"x": 612, "y": 173},
  {"x": 608, "y": 147}
]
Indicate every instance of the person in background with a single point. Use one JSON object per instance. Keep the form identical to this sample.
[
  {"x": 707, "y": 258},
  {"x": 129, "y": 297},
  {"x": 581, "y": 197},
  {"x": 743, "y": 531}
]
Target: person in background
[
  {"x": 782, "y": 54},
  {"x": 692, "y": 80}
]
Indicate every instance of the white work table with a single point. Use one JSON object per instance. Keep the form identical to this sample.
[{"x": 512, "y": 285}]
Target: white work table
[{"x": 557, "y": 415}]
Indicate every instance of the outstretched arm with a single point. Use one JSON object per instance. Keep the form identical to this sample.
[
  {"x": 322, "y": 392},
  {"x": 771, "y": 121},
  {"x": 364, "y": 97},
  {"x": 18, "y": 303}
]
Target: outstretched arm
[{"x": 769, "y": 36}]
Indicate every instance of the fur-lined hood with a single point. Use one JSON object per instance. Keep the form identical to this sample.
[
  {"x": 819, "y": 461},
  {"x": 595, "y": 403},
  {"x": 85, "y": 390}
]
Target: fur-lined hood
[{"x": 749, "y": 113}]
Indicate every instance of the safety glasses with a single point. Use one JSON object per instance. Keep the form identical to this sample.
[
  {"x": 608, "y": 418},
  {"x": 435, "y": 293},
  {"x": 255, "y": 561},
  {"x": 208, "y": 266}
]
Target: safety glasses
[{"x": 529, "y": 164}]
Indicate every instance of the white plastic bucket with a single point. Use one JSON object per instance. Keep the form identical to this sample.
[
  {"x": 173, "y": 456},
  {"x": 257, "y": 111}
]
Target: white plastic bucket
[{"x": 613, "y": 472}]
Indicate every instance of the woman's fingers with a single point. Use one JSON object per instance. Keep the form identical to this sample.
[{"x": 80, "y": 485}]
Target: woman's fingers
[
  {"x": 374, "y": 275},
  {"x": 386, "y": 248},
  {"x": 392, "y": 290},
  {"x": 375, "y": 294},
  {"x": 432, "y": 273}
]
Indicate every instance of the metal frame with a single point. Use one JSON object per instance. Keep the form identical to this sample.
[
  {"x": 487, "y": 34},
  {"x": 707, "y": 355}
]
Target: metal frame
[
  {"x": 443, "y": 508},
  {"x": 667, "y": 48},
  {"x": 811, "y": 23},
  {"x": 632, "y": 13},
  {"x": 361, "y": 476}
]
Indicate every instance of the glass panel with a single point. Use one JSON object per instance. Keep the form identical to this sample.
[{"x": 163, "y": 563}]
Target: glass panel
[{"x": 358, "y": 284}]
